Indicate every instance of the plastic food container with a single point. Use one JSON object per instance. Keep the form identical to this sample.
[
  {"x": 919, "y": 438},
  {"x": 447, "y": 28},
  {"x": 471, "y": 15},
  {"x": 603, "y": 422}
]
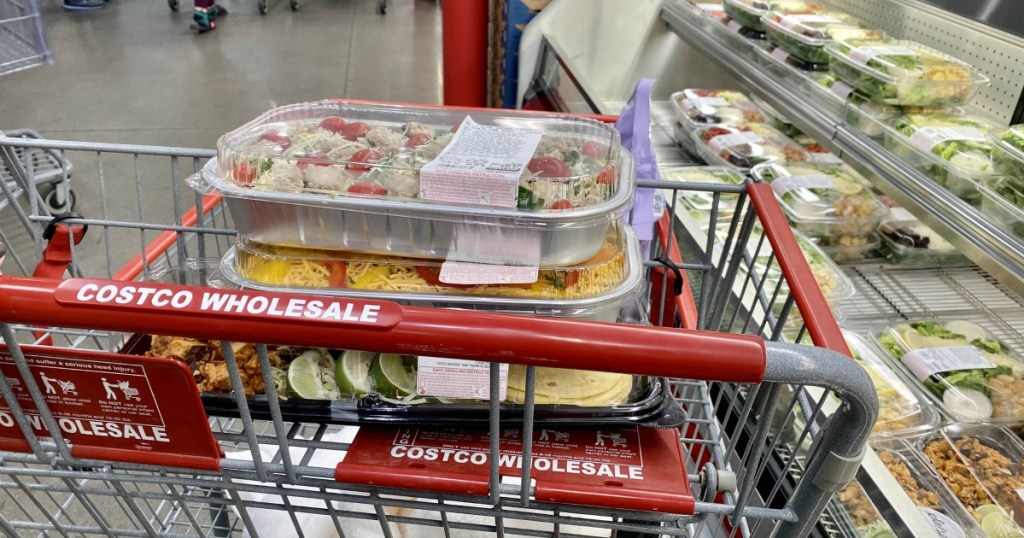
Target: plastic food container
[
  {"x": 778, "y": 56},
  {"x": 972, "y": 376},
  {"x": 777, "y": 120},
  {"x": 982, "y": 466},
  {"x": 824, "y": 200},
  {"x": 696, "y": 108},
  {"x": 834, "y": 284},
  {"x": 704, "y": 201},
  {"x": 749, "y": 12},
  {"x": 1008, "y": 152},
  {"x": 596, "y": 289},
  {"x": 805, "y": 35},
  {"x": 904, "y": 72},
  {"x": 746, "y": 145},
  {"x": 1002, "y": 200},
  {"x": 909, "y": 242},
  {"x": 358, "y": 387},
  {"x": 953, "y": 150},
  {"x": 294, "y": 177},
  {"x": 848, "y": 248},
  {"x": 861, "y": 513}
]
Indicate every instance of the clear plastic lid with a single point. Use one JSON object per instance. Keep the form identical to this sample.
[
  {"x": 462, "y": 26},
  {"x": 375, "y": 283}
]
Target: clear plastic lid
[
  {"x": 1009, "y": 152},
  {"x": 973, "y": 376},
  {"x": 960, "y": 142},
  {"x": 746, "y": 145},
  {"x": 337, "y": 149},
  {"x": 823, "y": 199},
  {"x": 696, "y": 106},
  {"x": 795, "y": 66},
  {"x": 710, "y": 10},
  {"x": 1002, "y": 199},
  {"x": 805, "y": 35},
  {"x": 981, "y": 465},
  {"x": 848, "y": 248},
  {"x": 863, "y": 515},
  {"x": 749, "y": 12},
  {"x": 778, "y": 121},
  {"x": 833, "y": 282},
  {"x": 904, "y": 72},
  {"x": 902, "y": 410},
  {"x": 704, "y": 201},
  {"x": 909, "y": 242}
]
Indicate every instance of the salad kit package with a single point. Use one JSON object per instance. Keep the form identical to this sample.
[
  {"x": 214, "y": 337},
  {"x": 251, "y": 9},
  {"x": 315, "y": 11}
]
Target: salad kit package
[
  {"x": 984, "y": 468},
  {"x": 909, "y": 242},
  {"x": 595, "y": 289},
  {"x": 972, "y": 376},
  {"x": 360, "y": 387},
  {"x": 806, "y": 35},
  {"x": 1002, "y": 200},
  {"x": 849, "y": 248},
  {"x": 1008, "y": 153},
  {"x": 746, "y": 145},
  {"x": 953, "y": 150},
  {"x": 777, "y": 120},
  {"x": 903, "y": 72},
  {"x": 705, "y": 201},
  {"x": 695, "y": 108},
  {"x": 822, "y": 200},
  {"x": 488, "y": 187},
  {"x": 750, "y": 13}
]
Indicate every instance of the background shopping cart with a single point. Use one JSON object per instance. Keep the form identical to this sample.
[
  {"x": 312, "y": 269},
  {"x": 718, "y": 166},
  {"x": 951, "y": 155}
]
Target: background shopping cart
[
  {"x": 744, "y": 435},
  {"x": 22, "y": 41}
]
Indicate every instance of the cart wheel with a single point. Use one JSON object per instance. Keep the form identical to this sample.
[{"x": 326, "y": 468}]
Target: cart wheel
[
  {"x": 173, "y": 4},
  {"x": 53, "y": 205},
  {"x": 262, "y": 6},
  {"x": 382, "y": 7},
  {"x": 294, "y": 4}
]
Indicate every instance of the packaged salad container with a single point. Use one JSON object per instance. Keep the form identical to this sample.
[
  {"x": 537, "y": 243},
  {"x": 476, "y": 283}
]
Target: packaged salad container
[
  {"x": 805, "y": 35},
  {"x": 1008, "y": 152},
  {"x": 902, "y": 409},
  {"x": 746, "y": 145},
  {"x": 854, "y": 509},
  {"x": 775, "y": 56},
  {"x": 982, "y": 466},
  {"x": 704, "y": 201},
  {"x": 347, "y": 176},
  {"x": 904, "y": 72},
  {"x": 823, "y": 200},
  {"x": 696, "y": 108},
  {"x": 360, "y": 387},
  {"x": 848, "y": 248},
  {"x": 777, "y": 120},
  {"x": 972, "y": 376},
  {"x": 749, "y": 12},
  {"x": 951, "y": 149},
  {"x": 595, "y": 289},
  {"x": 1002, "y": 200},
  {"x": 911, "y": 243}
]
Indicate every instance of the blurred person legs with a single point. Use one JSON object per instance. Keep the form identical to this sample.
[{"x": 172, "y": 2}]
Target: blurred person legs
[{"x": 204, "y": 15}]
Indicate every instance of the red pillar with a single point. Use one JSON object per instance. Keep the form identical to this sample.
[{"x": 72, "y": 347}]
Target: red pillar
[{"x": 464, "y": 27}]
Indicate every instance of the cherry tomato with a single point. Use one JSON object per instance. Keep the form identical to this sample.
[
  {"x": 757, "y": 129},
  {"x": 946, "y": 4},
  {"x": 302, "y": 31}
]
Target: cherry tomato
[
  {"x": 363, "y": 159},
  {"x": 433, "y": 277},
  {"x": 606, "y": 176},
  {"x": 353, "y": 131},
  {"x": 417, "y": 140},
  {"x": 561, "y": 204},
  {"x": 571, "y": 278},
  {"x": 244, "y": 173},
  {"x": 317, "y": 158},
  {"x": 338, "y": 277},
  {"x": 277, "y": 137},
  {"x": 549, "y": 167},
  {"x": 367, "y": 187},
  {"x": 591, "y": 149},
  {"x": 333, "y": 124},
  {"x": 711, "y": 132}
]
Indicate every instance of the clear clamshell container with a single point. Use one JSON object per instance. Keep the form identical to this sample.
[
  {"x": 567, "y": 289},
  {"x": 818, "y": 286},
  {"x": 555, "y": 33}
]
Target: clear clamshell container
[
  {"x": 806, "y": 35},
  {"x": 749, "y": 13},
  {"x": 746, "y": 145}
]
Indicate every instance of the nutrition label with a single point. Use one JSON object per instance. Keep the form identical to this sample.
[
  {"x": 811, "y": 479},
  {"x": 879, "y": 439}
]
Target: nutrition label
[
  {"x": 481, "y": 165},
  {"x": 457, "y": 378},
  {"x": 929, "y": 361},
  {"x": 455, "y": 272}
]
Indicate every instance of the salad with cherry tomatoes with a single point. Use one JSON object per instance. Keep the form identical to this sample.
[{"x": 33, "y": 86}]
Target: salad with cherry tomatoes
[
  {"x": 335, "y": 156},
  {"x": 746, "y": 145}
]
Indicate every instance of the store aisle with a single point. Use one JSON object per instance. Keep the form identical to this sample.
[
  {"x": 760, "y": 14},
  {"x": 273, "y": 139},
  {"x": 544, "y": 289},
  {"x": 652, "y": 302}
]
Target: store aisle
[{"x": 134, "y": 72}]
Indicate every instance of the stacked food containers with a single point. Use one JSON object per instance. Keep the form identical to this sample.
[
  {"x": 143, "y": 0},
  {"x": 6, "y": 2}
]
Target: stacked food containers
[{"x": 506, "y": 212}]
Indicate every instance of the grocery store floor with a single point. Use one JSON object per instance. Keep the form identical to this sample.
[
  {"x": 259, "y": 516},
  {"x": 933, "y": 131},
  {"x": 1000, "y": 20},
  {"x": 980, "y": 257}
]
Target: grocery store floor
[{"x": 134, "y": 72}]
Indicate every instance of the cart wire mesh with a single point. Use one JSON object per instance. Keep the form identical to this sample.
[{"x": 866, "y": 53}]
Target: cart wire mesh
[
  {"x": 738, "y": 441},
  {"x": 22, "y": 41}
]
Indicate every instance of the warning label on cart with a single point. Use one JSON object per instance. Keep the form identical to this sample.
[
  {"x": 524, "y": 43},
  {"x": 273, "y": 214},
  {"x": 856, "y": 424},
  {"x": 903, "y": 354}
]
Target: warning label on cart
[
  {"x": 635, "y": 467},
  {"x": 481, "y": 165},
  {"x": 139, "y": 405}
]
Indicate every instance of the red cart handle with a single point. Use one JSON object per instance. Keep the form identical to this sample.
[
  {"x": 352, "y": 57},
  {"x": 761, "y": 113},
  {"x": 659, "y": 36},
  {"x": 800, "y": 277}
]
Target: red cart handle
[{"x": 300, "y": 319}]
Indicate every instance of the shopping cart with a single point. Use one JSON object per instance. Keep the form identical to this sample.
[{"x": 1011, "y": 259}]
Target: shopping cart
[
  {"x": 756, "y": 408},
  {"x": 22, "y": 41}
]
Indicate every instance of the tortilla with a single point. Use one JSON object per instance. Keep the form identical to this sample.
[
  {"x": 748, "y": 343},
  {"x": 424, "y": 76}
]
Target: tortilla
[{"x": 570, "y": 387}]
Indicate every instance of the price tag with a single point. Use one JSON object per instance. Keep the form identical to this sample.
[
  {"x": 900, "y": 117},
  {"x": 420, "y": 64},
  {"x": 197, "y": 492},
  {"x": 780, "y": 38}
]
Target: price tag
[
  {"x": 779, "y": 54},
  {"x": 465, "y": 273},
  {"x": 481, "y": 165},
  {"x": 863, "y": 55},
  {"x": 720, "y": 142},
  {"x": 702, "y": 102},
  {"x": 790, "y": 21},
  {"x": 457, "y": 378},
  {"x": 943, "y": 525},
  {"x": 926, "y": 138},
  {"x": 841, "y": 89},
  {"x": 786, "y": 184},
  {"x": 927, "y": 362}
]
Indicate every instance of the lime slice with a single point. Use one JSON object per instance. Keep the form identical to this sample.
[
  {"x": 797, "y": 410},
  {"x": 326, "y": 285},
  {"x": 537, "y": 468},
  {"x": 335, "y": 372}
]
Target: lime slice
[
  {"x": 987, "y": 509},
  {"x": 395, "y": 375},
  {"x": 353, "y": 372},
  {"x": 998, "y": 524},
  {"x": 311, "y": 376}
]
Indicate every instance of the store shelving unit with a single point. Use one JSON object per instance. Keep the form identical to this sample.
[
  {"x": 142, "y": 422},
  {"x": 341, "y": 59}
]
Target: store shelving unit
[{"x": 992, "y": 248}]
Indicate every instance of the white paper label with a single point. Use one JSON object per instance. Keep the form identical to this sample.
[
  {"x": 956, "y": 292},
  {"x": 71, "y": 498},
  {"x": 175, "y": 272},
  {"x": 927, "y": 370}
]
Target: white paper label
[
  {"x": 824, "y": 158},
  {"x": 456, "y": 272},
  {"x": 900, "y": 214},
  {"x": 457, "y": 378},
  {"x": 789, "y": 21},
  {"x": 704, "y": 102},
  {"x": 927, "y": 138},
  {"x": 481, "y": 165},
  {"x": 710, "y": 8},
  {"x": 785, "y": 184},
  {"x": 841, "y": 89},
  {"x": 779, "y": 54},
  {"x": 929, "y": 361},
  {"x": 720, "y": 142},
  {"x": 734, "y": 27},
  {"x": 863, "y": 55},
  {"x": 943, "y": 525}
]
